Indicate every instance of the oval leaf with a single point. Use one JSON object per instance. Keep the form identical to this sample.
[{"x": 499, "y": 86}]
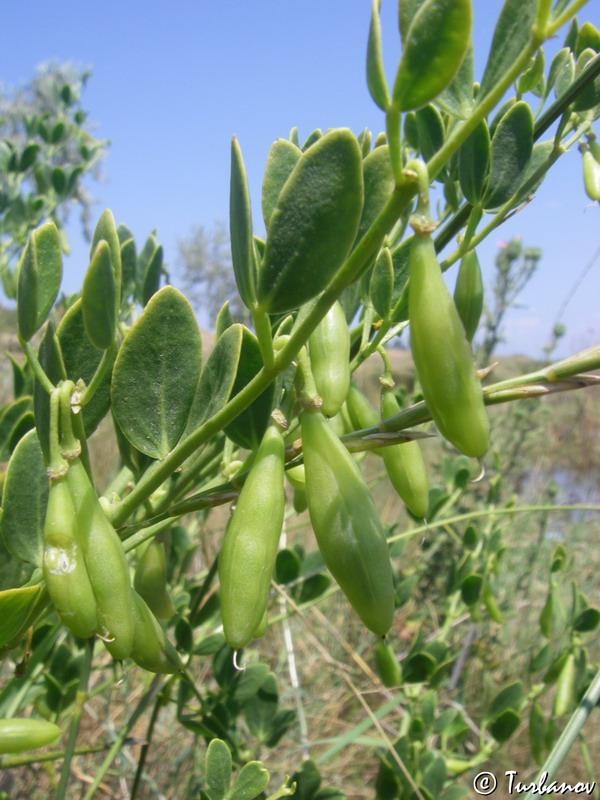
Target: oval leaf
[
  {"x": 40, "y": 274},
  {"x": 156, "y": 373},
  {"x": 98, "y": 298},
  {"x": 24, "y": 501},
  {"x": 107, "y": 230},
  {"x": 18, "y": 611},
  {"x": 314, "y": 223},
  {"x": 375, "y": 72},
  {"x": 240, "y": 221},
  {"x": 474, "y": 162},
  {"x": 282, "y": 158},
  {"x": 218, "y": 769},
  {"x": 511, "y": 148}
]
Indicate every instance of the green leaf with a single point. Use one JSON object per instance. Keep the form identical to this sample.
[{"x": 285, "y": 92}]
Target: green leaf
[
  {"x": 503, "y": 727},
  {"x": 281, "y": 160},
  {"x": 532, "y": 77},
  {"x": 19, "y": 609},
  {"x": 511, "y": 35},
  {"x": 24, "y": 501},
  {"x": 551, "y": 616},
  {"x": 287, "y": 566},
  {"x": 217, "y": 378},
  {"x": 141, "y": 267},
  {"x": 590, "y": 96},
  {"x": 314, "y": 223},
  {"x": 511, "y": 148},
  {"x": 565, "y": 687},
  {"x": 471, "y": 589},
  {"x": 156, "y": 372},
  {"x": 223, "y": 321},
  {"x": 252, "y": 779},
  {"x": 457, "y": 98},
  {"x": 510, "y": 697},
  {"x": 249, "y": 681},
  {"x": 537, "y": 727},
  {"x": 81, "y": 359},
  {"x": 562, "y": 72},
  {"x": 107, "y": 230},
  {"x": 430, "y": 129},
  {"x": 152, "y": 275},
  {"x": 378, "y": 182},
  {"x": 98, "y": 299},
  {"x": 312, "y": 137},
  {"x": 588, "y": 620},
  {"x": 40, "y": 274},
  {"x": 240, "y": 220},
  {"x": 128, "y": 263},
  {"x": 307, "y": 780},
  {"x": 588, "y": 37},
  {"x": 435, "y": 776},
  {"x": 434, "y": 48},
  {"x": 28, "y": 156},
  {"x": 218, "y": 769},
  {"x": 382, "y": 283},
  {"x": 474, "y": 162},
  {"x": 375, "y": 72},
  {"x": 260, "y": 709},
  {"x": 10, "y": 416},
  {"x": 59, "y": 180},
  {"x": 541, "y": 156},
  {"x": 248, "y": 428}
]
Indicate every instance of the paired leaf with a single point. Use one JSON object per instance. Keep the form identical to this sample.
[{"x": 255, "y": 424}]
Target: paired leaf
[
  {"x": 24, "y": 501},
  {"x": 106, "y": 230},
  {"x": 19, "y": 609},
  {"x": 474, "y": 162},
  {"x": 511, "y": 148},
  {"x": 40, "y": 274},
  {"x": 281, "y": 160},
  {"x": 457, "y": 98},
  {"x": 381, "y": 285},
  {"x": 434, "y": 48},
  {"x": 314, "y": 224},
  {"x": 98, "y": 298},
  {"x": 511, "y": 35},
  {"x": 248, "y": 428},
  {"x": 375, "y": 72},
  {"x": 240, "y": 219},
  {"x": 156, "y": 372},
  {"x": 218, "y": 769}
]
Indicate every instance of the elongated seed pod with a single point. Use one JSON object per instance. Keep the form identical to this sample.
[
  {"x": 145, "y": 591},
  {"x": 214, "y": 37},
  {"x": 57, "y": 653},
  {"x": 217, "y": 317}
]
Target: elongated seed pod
[
  {"x": 591, "y": 175},
  {"x": 19, "y": 734},
  {"x": 105, "y": 563},
  {"x": 404, "y": 464},
  {"x": 346, "y": 525},
  {"x": 247, "y": 556},
  {"x": 329, "y": 351},
  {"x": 63, "y": 563},
  {"x": 150, "y": 580},
  {"x": 361, "y": 412},
  {"x": 468, "y": 293},
  {"x": 442, "y": 354},
  {"x": 151, "y": 648},
  {"x": 388, "y": 667}
]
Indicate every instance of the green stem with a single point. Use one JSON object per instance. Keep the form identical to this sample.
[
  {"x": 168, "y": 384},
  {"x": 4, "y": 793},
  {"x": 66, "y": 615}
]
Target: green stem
[
  {"x": 589, "y": 764},
  {"x": 118, "y": 743},
  {"x": 58, "y": 465},
  {"x": 566, "y": 15},
  {"x": 36, "y": 367},
  {"x": 105, "y": 363},
  {"x": 10, "y": 762},
  {"x": 394, "y": 141},
  {"x": 305, "y": 382},
  {"x": 80, "y": 698},
  {"x": 569, "y": 734},
  {"x": 262, "y": 325}
]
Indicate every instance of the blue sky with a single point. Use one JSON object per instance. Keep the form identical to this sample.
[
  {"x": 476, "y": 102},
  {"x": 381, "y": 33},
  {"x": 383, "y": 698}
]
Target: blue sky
[{"x": 171, "y": 83}]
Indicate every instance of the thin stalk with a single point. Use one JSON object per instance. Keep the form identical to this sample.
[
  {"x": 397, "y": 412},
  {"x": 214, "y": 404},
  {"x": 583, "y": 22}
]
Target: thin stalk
[
  {"x": 262, "y": 326},
  {"x": 36, "y": 367},
  {"x": 566, "y": 15},
  {"x": 80, "y": 698},
  {"x": 568, "y": 736},
  {"x": 394, "y": 141},
  {"x": 589, "y": 764},
  {"x": 118, "y": 743},
  {"x": 101, "y": 370},
  {"x": 10, "y": 762}
]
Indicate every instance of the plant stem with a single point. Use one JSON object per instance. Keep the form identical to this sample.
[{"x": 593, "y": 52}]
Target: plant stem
[
  {"x": 36, "y": 367},
  {"x": 569, "y": 734},
  {"x": 80, "y": 698},
  {"x": 105, "y": 363},
  {"x": 158, "y": 702}
]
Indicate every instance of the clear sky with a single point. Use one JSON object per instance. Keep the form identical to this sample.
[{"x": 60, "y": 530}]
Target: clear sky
[{"x": 171, "y": 82}]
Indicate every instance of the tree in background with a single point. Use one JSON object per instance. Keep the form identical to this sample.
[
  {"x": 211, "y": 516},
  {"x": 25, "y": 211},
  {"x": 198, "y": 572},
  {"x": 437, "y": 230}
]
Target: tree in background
[
  {"x": 46, "y": 151},
  {"x": 207, "y": 272}
]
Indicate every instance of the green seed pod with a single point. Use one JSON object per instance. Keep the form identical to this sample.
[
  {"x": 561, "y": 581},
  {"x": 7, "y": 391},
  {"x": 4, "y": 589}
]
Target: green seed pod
[
  {"x": 591, "y": 175},
  {"x": 151, "y": 649},
  {"x": 442, "y": 354},
  {"x": 361, "y": 412},
  {"x": 297, "y": 477},
  {"x": 63, "y": 563},
  {"x": 404, "y": 464},
  {"x": 388, "y": 667},
  {"x": 18, "y": 734},
  {"x": 150, "y": 580},
  {"x": 346, "y": 525},
  {"x": 329, "y": 351},
  {"x": 262, "y": 626},
  {"x": 565, "y": 687},
  {"x": 249, "y": 549},
  {"x": 106, "y": 564},
  {"x": 468, "y": 293}
]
